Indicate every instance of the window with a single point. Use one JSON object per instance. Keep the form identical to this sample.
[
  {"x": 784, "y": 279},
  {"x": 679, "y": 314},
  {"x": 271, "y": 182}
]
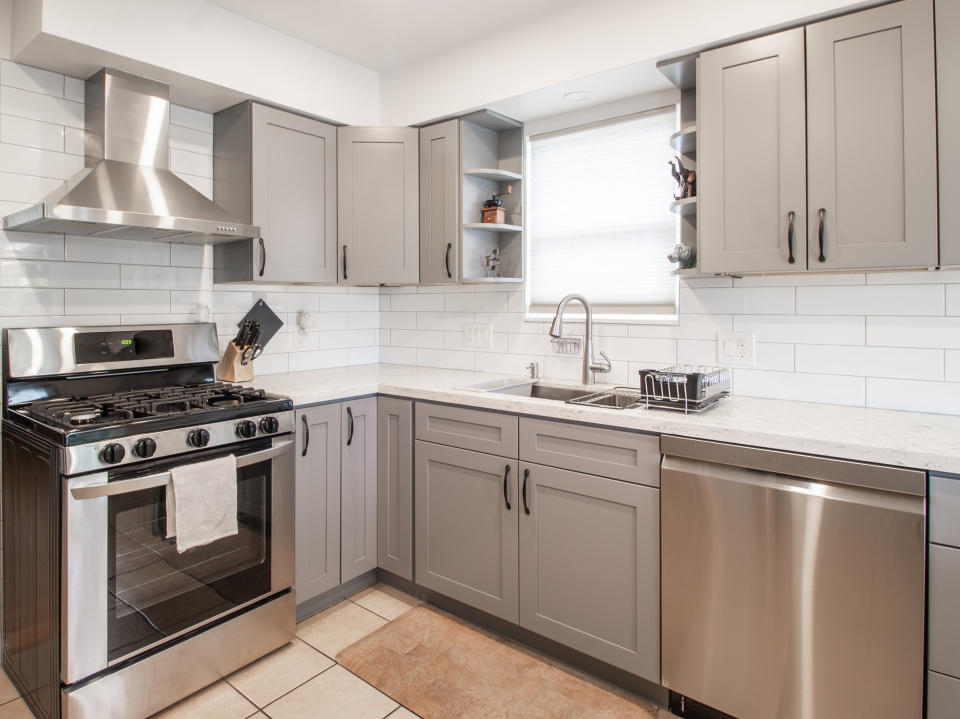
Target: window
[{"x": 599, "y": 219}]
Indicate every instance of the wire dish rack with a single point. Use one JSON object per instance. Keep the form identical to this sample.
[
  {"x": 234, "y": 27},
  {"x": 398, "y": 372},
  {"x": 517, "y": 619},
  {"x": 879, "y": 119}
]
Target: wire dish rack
[{"x": 685, "y": 389}]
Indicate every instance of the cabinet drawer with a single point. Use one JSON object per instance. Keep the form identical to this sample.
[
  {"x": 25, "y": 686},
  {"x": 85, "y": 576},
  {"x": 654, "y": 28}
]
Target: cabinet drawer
[
  {"x": 479, "y": 430},
  {"x": 945, "y": 510},
  {"x": 944, "y": 609},
  {"x": 943, "y": 696},
  {"x": 607, "y": 452}
]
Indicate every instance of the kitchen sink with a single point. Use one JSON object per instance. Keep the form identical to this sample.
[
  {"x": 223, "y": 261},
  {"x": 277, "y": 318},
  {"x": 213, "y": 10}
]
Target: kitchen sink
[{"x": 544, "y": 391}]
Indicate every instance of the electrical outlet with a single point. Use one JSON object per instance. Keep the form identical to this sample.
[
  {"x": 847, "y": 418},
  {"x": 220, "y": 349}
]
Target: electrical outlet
[
  {"x": 478, "y": 336},
  {"x": 737, "y": 349}
]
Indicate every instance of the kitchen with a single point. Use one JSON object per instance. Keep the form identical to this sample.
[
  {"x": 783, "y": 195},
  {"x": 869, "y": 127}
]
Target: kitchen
[{"x": 494, "y": 432}]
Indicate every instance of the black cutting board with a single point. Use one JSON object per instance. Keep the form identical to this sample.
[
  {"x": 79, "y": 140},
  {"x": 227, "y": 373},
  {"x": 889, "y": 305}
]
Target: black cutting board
[{"x": 270, "y": 324}]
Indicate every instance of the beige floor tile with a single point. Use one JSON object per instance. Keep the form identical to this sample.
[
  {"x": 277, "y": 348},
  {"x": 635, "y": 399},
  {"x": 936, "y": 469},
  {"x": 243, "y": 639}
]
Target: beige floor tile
[
  {"x": 335, "y": 694},
  {"x": 217, "y": 701},
  {"x": 338, "y": 627},
  {"x": 15, "y": 710},
  {"x": 403, "y": 713},
  {"x": 8, "y": 692},
  {"x": 385, "y": 600},
  {"x": 279, "y": 672}
]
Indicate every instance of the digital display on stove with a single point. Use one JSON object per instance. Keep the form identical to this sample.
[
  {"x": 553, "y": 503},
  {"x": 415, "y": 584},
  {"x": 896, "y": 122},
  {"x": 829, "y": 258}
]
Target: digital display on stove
[{"x": 99, "y": 347}]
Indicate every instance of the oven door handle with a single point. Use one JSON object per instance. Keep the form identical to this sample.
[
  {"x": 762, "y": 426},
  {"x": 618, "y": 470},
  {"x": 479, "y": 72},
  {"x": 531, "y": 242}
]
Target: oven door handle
[{"x": 151, "y": 481}]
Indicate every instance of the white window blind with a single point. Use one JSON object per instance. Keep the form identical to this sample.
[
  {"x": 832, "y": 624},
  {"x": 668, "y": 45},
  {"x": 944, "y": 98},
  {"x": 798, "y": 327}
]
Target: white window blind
[{"x": 599, "y": 219}]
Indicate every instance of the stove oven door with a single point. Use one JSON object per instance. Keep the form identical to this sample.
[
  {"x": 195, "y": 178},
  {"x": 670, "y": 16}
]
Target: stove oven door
[{"x": 126, "y": 589}]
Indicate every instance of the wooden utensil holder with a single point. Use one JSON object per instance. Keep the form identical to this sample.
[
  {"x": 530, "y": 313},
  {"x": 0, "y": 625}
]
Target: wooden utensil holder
[{"x": 231, "y": 368}]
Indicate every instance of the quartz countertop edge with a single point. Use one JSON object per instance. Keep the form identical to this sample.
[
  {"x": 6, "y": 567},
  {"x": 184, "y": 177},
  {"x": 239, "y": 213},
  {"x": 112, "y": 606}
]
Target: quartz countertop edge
[{"x": 903, "y": 439}]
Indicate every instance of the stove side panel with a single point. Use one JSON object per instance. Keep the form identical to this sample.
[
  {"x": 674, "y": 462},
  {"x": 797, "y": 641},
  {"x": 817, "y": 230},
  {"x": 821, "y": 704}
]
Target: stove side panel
[{"x": 31, "y": 569}]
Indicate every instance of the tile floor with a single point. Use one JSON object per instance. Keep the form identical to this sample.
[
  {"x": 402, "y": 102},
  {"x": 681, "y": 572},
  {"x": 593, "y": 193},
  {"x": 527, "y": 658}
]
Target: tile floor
[{"x": 298, "y": 681}]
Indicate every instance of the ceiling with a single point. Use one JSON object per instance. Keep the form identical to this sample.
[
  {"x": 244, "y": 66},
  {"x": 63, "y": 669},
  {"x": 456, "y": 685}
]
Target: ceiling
[{"x": 385, "y": 34}]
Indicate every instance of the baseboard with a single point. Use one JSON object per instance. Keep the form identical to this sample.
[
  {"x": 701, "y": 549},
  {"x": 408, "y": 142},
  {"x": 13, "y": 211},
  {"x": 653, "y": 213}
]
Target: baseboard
[{"x": 317, "y": 604}]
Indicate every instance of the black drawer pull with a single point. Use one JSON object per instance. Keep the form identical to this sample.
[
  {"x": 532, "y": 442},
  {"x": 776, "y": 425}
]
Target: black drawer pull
[
  {"x": 306, "y": 435},
  {"x": 263, "y": 257},
  {"x": 526, "y": 507},
  {"x": 349, "y": 426},
  {"x": 506, "y": 496},
  {"x": 446, "y": 261},
  {"x": 790, "y": 217}
]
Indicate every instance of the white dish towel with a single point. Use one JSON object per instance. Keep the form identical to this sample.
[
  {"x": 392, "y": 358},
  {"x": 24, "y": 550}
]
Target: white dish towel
[{"x": 202, "y": 502}]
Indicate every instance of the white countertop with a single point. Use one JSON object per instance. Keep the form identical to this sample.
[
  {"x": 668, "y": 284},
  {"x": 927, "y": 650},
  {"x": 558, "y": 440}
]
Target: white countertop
[{"x": 906, "y": 439}]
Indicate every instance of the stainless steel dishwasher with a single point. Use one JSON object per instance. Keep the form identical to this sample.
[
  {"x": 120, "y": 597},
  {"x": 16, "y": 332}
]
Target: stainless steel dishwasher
[{"x": 793, "y": 586}]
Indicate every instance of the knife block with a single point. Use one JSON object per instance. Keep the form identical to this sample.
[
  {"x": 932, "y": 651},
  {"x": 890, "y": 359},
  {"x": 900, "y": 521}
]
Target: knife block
[{"x": 230, "y": 368}]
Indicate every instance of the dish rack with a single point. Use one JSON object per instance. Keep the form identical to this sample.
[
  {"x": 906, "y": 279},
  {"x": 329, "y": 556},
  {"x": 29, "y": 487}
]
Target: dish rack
[{"x": 685, "y": 388}]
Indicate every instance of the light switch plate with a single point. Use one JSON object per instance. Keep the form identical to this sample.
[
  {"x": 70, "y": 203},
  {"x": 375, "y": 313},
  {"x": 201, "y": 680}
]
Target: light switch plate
[
  {"x": 478, "y": 336},
  {"x": 737, "y": 349}
]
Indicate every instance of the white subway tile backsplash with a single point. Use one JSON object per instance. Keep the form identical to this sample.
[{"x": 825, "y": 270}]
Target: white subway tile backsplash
[
  {"x": 31, "y": 301},
  {"x": 476, "y": 302},
  {"x": 81, "y": 248},
  {"x": 363, "y": 355},
  {"x": 190, "y": 255},
  {"x": 321, "y": 359},
  {"x": 442, "y": 320},
  {"x": 934, "y": 332},
  {"x": 953, "y": 299},
  {"x": 952, "y": 366},
  {"x": 418, "y": 302},
  {"x": 73, "y": 140},
  {"x": 871, "y": 300},
  {"x": 697, "y": 352},
  {"x": 271, "y": 364},
  {"x": 31, "y": 246},
  {"x": 427, "y": 339},
  {"x": 39, "y": 163},
  {"x": 401, "y": 355},
  {"x": 185, "y": 138},
  {"x": 913, "y": 395},
  {"x": 147, "y": 277},
  {"x": 803, "y": 329},
  {"x": 737, "y": 300},
  {"x": 74, "y": 89},
  {"x": 914, "y": 277},
  {"x": 445, "y": 359},
  {"x": 203, "y": 185},
  {"x": 830, "y": 389},
  {"x": 37, "y": 106},
  {"x": 31, "y": 133},
  {"x": 24, "y": 188},
  {"x": 190, "y": 118},
  {"x": 100, "y": 302},
  {"x": 43, "y": 273},
  {"x": 896, "y": 362},
  {"x": 31, "y": 78},
  {"x": 398, "y": 320},
  {"x": 191, "y": 163}
]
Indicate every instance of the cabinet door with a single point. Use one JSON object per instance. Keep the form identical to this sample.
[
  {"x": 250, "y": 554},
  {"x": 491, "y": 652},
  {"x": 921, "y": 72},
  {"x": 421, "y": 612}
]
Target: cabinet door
[
  {"x": 750, "y": 156},
  {"x": 358, "y": 488},
  {"x": 948, "y": 120},
  {"x": 395, "y": 486},
  {"x": 871, "y": 139},
  {"x": 466, "y": 527},
  {"x": 294, "y": 197},
  {"x": 318, "y": 500},
  {"x": 379, "y": 205},
  {"x": 590, "y": 565},
  {"x": 439, "y": 202}
]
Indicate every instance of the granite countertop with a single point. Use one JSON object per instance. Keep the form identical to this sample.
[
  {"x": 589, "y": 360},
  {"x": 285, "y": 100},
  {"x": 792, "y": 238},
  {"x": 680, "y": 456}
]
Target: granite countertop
[{"x": 905, "y": 439}]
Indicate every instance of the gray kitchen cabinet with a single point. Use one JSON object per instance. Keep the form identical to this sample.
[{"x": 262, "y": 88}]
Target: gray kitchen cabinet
[
  {"x": 440, "y": 203},
  {"x": 466, "y": 527},
  {"x": 476, "y": 429},
  {"x": 590, "y": 565},
  {"x": 871, "y": 139},
  {"x": 378, "y": 205},
  {"x": 358, "y": 487},
  {"x": 948, "y": 120},
  {"x": 395, "y": 486},
  {"x": 943, "y": 696},
  {"x": 751, "y": 155},
  {"x": 318, "y": 501},
  {"x": 943, "y": 651},
  {"x": 276, "y": 170}
]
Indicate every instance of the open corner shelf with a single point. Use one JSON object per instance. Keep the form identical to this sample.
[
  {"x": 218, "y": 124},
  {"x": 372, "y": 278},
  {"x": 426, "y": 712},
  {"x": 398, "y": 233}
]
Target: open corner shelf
[
  {"x": 684, "y": 141},
  {"x": 686, "y": 206},
  {"x": 487, "y": 173},
  {"x": 491, "y": 227}
]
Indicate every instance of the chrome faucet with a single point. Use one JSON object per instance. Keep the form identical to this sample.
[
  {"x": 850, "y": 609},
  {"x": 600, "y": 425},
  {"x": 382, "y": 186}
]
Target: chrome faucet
[{"x": 590, "y": 366}]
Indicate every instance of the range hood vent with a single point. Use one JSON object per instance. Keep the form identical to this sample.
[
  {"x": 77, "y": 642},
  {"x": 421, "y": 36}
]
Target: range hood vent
[{"x": 126, "y": 190}]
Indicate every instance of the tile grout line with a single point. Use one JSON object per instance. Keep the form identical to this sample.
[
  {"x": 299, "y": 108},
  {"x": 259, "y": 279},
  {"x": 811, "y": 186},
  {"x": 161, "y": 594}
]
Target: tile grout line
[{"x": 274, "y": 701}]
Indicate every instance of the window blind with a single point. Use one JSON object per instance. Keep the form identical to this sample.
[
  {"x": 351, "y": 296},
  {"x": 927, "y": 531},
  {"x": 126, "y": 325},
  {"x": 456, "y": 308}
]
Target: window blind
[{"x": 599, "y": 219}]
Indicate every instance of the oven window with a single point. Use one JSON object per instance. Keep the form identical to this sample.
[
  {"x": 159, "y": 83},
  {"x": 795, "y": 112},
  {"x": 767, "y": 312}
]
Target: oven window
[{"x": 155, "y": 592}]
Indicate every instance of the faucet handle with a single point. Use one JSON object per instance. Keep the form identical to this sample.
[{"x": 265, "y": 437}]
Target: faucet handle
[{"x": 603, "y": 367}]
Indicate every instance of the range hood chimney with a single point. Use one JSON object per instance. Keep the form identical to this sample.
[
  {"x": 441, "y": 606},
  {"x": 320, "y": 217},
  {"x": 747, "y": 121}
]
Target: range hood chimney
[{"x": 126, "y": 190}]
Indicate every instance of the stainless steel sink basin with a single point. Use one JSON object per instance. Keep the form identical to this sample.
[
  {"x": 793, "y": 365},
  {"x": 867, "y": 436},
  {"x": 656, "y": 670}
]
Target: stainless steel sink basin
[{"x": 544, "y": 391}]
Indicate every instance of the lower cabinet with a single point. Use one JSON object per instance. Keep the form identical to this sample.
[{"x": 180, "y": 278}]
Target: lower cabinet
[
  {"x": 358, "y": 488},
  {"x": 466, "y": 527},
  {"x": 590, "y": 565},
  {"x": 318, "y": 500},
  {"x": 395, "y": 486}
]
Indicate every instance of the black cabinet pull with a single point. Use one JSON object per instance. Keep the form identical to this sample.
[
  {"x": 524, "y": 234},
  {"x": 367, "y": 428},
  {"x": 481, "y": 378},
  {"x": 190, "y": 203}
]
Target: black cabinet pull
[
  {"x": 446, "y": 261},
  {"x": 263, "y": 257},
  {"x": 344, "y": 262},
  {"x": 790, "y": 218},
  {"x": 506, "y": 496},
  {"x": 349, "y": 426},
  {"x": 526, "y": 507},
  {"x": 306, "y": 434},
  {"x": 822, "y": 212}
]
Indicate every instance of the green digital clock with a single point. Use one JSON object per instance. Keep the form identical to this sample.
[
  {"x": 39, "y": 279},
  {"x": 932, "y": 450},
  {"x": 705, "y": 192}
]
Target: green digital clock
[{"x": 126, "y": 342}]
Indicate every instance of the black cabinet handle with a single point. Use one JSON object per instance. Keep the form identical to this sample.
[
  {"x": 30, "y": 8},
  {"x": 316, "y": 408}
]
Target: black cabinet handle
[
  {"x": 349, "y": 426},
  {"x": 344, "y": 262},
  {"x": 306, "y": 434},
  {"x": 526, "y": 507},
  {"x": 791, "y": 216},
  {"x": 822, "y": 212},
  {"x": 263, "y": 257},
  {"x": 446, "y": 261},
  {"x": 506, "y": 496}
]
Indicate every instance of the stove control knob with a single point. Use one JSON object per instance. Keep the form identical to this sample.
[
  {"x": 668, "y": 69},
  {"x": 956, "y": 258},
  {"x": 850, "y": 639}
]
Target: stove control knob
[
  {"x": 198, "y": 438},
  {"x": 246, "y": 429},
  {"x": 112, "y": 453},
  {"x": 269, "y": 425},
  {"x": 145, "y": 447}
]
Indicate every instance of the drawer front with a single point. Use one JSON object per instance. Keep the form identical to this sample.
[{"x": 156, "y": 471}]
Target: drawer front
[
  {"x": 943, "y": 696},
  {"x": 479, "y": 430},
  {"x": 944, "y": 609},
  {"x": 945, "y": 510},
  {"x": 607, "y": 452}
]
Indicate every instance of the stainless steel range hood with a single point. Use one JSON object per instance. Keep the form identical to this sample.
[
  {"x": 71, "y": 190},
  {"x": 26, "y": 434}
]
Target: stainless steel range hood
[{"x": 126, "y": 190}]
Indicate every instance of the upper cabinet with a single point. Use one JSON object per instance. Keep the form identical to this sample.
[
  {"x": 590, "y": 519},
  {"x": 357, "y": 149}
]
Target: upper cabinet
[
  {"x": 845, "y": 108},
  {"x": 279, "y": 171},
  {"x": 378, "y": 205},
  {"x": 440, "y": 203},
  {"x": 948, "y": 120}
]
